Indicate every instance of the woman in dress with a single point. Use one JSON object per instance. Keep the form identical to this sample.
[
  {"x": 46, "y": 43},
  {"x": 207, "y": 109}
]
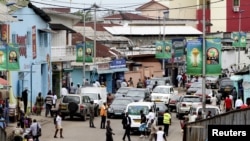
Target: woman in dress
[{"x": 39, "y": 103}]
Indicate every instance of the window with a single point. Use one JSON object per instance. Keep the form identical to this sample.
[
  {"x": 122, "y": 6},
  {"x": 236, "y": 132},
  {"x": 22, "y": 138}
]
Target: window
[
  {"x": 236, "y": 2},
  {"x": 43, "y": 39}
]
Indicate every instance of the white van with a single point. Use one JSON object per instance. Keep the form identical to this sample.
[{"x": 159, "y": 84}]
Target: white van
[
  {"x": 163, "y": 94},
  {"x": 134, "y": 109}
]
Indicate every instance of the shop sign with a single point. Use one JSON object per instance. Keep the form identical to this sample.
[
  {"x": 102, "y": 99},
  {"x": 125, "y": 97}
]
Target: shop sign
[{"x": 118, "y": 63}]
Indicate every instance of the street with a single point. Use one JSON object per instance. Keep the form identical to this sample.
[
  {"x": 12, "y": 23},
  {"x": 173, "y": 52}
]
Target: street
[{"x": 76, "y": 130}]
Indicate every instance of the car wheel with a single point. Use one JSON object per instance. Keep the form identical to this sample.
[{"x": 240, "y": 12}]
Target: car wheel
[{"x": 73, "y": 107}]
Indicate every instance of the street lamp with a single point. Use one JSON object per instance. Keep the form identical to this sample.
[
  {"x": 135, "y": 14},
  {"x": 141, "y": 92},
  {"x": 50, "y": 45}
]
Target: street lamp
[{"x": 240, "y": 12}]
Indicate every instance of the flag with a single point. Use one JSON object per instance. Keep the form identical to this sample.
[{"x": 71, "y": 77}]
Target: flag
[
  {"x": 163, "y": 49},
  {"x": 86, "y": 49}
]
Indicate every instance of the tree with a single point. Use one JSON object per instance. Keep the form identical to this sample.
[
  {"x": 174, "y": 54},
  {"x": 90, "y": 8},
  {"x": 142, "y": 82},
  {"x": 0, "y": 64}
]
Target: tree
[{"x": 85, "y": 15}]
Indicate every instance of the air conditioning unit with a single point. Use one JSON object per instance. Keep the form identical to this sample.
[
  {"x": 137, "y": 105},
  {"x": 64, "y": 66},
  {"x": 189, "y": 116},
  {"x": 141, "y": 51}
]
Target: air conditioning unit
[{"x": 236, "y": 8}]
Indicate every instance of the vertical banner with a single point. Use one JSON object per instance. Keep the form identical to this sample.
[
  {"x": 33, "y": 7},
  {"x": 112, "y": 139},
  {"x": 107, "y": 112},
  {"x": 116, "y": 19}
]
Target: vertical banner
[
  {"x": 34, "y": 53},
  {"x": 163, "y": 49},
  {"x": 79, "y": 52},
  {"x": 239, "y": 39},
  {"x": 5, "y": 33},
  {"x": 3, "y": 57},
  {"x": 9, "y": 57},
  {"x": 194, "y": 57},
  {"x": 89, "y": 51},
  {"x": 179, "y": 46},
  {"x": 213, "y": 56}
]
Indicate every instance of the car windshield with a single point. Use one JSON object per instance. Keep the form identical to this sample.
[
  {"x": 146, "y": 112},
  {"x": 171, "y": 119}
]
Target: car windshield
[
  {"x": 226, "y": 83},
  {"x": 191, "y": 99},
  {"x": 196, "y": 85},
  {"x": 135, "y": 93},
  {"x": 68, "y": 99},
  {"x": 122, "y": 90},
  {"x": 135, "y": 110},
  {"x": 92, "y": 96},
  {"x": 214, "y": 111},
  {"x": 121, "y": 101},
  {"x": 161, "y": 90}
]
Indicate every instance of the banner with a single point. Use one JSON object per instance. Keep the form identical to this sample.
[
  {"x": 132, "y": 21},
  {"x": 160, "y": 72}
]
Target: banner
[
  {"x": 89, "y": 50},
  {"x": 239, "y": 39},
  {"x": 34, "y": 53},
  {"x": 179, "y": 46},
  {"x": 9, "y": 57},
  {"x": 213, "y": 56},
  {"x": 194, "y": 57},
  {"x": 163, "y": 49}
]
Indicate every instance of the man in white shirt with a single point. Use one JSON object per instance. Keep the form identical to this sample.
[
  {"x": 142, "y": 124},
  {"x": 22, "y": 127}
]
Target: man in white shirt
[
  {"x": 64, "y": 91},
  {"x": 150, "y": 116},
  {"x": 213, "y": 100},
  {"x": 54, "y": 100},
  {"x": 33, "y": 129},
  {"x": 124, "y": 83},
  {"x": 238, "y": 103}
]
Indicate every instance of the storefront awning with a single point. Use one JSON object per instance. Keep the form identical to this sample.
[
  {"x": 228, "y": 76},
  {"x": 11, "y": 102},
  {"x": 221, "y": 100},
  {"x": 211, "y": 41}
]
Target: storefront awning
[
  {"x": 120, "y": 69},
  {"x": 104, "y": 71},
  {"x": 47, "y": 30}
]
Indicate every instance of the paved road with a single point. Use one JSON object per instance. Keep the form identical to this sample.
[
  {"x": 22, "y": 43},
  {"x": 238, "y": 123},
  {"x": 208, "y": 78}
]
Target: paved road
[{"x": 77, "y": 130}]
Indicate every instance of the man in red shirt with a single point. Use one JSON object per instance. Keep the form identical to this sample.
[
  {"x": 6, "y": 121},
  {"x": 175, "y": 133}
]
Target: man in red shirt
[
  {"x": 247, "y": 105},
  {"x": 228, "y": 103}
]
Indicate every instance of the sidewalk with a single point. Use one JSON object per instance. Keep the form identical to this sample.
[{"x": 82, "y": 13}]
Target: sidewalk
[{"x": 40, "y": 119}]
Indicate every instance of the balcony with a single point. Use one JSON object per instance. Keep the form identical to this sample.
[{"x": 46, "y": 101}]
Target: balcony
[{"x": 62, "y": 53}]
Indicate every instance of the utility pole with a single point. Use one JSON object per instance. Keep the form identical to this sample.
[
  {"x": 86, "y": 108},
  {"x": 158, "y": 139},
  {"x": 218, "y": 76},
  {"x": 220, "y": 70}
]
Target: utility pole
[
  {"x": 240, "y": 12},
  {"x": 203, "y": 58}
]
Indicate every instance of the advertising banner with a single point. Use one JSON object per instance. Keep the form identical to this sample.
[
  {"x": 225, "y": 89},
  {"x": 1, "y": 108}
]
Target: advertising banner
[
  {"x": 34, "y": 54},
  {"x": 194, "y": 57},
  {"x": 213, "y": 56},
  {"x": 163, "y": 49},
  {"x": 239, "y": 39},
  {"x": 79, "y": 52},
  {"x": 9, "y": 57},
  {"x": 179, "y": 46},
  {"x": 88, "y": 52}
]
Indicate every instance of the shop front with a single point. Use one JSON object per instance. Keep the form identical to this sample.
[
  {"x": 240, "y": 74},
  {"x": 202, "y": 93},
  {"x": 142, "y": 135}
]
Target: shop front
[{"x": 105, "y": 75}]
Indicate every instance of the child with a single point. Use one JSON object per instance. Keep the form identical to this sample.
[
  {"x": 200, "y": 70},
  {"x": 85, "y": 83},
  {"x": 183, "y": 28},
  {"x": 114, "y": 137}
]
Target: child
[{"x": 160, "y": 135}]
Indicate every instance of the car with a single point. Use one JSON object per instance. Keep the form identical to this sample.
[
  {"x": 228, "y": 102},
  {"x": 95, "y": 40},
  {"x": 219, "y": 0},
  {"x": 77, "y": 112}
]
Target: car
[
  {"x": 98, "y": 101},
  {"x": 215, "y": 110},
  {"x": 74, "y": 105},
  {"x": 208, "y": 92},
  {"x": 212, "y": 82},
  {"x": 190, "y": 82},
  {"x": 193, "y": 88},
  {"x": 160, "y": 110},
  {"x": 172, "y": 102},
  {"x": 118, "y": 106},
  {"x": 163, "y": 93},
  {"x": 184, "y": 103},
  {"x": 122, "y": 91},
  {"x": 160, "y": 81},
  {"x": 226, "y": 86},
  {"x": 134, "y": 109},
  {"x": 139, "y": 94}
]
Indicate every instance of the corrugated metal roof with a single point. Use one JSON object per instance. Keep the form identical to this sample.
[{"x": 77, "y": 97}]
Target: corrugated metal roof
[{"x": 153, "y": 30}]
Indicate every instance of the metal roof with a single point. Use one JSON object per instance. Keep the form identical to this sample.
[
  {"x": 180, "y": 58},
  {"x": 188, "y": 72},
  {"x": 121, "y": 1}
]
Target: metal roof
[{"x": 153, "y": 30}]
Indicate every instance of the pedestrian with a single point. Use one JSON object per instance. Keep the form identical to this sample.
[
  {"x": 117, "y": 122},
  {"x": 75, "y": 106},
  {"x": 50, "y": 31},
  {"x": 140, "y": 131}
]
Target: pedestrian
[
  {"x": 247, "y": 105},
  {"x": 166, "y": 121},
  {"x": 48, "y": 103},
  {"x": 153, "y": 130},
  {"x": 64, "y": 90},
  {"x": 151, "y": 115},
  {"x": 54, "y": 100},
  {"x": 143, "y": 125},
  {"x": 103, "y": 114},
  {"x": 2, "y": 122},
  {"x": 179, "y": 79},
  {"x": 20, "y": 104},
  {"x": 126, "y": 122},
  {"x": 160, "y": 135},
  {"x": 222, "y": 104},
  {"x": 199, "y": 116},
  {"x": 58, "y": 125},
  {"x": 156, "y": 84},
  {"x": 124, "y": 83},
  {"x": 34, "y": 130},
  {"x": 72, "y": 89},
  {"x": 238, "y": 103},
  {"x": 22, "y": 118},
  {"x": 91, "y": 114},
  {"x": 228, "y": 103},
  {"x": 6, "y": 111},
  {"x": 213, "y": 100},
  {"x": 25, "y": 99},
  {"x": 139, "y": 84},
  {"x": 39, "y": 104},
  {"x": 78, "y": 89},
  {"x": 130, "y": 82},
  {"x": 184, "y": 80},
  {"x": 18, "y": 133},
  {"x": 234, "y": 96},
  {"x": 109, "y": 132},
  {"x": 209, "y": 114}
]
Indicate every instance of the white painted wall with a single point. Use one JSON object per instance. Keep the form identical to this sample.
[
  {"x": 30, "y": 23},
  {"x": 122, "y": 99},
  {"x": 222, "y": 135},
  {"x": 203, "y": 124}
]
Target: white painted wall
[
  {"x": 218, "y": 16},
  {"x": 176, "y": 12},
  {"x": 59, "y": 39}
]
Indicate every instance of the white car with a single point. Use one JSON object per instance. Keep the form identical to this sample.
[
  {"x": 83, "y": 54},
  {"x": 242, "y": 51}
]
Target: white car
[
  {"x": 163, "y": 94},
  {"x": 215, "y": 110}
]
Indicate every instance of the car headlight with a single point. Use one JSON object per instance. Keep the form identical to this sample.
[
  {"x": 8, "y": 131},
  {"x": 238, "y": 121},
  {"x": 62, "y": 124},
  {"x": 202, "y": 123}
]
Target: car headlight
[{"x": 110, "y": 110}]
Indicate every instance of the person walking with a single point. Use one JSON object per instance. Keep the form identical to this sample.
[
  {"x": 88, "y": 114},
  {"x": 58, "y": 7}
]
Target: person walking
[
  {"x": 78, "y": 89},
  {"x": 103, "y": 114},
  {"x": 160, "y": 135},
  {"x": 153, "y": 130},
  {"x": 222, "y": 104},
  {"x": 130, "y": 82},
  {"x": 91, "y": 114},
  {"x": 54, "y": 100},
  {"x": 25, "y": 99},
  {"x": 228, "y": 103},
  {"x": 34, "y": 130},
  {"x": 213, "y": 100},
  {"x": 39, "y": 104},
  {"x": 166, "y": 121},
  {"x": 238, "y": 103},
  {"x": 126, "y": 122},
  {"x": 109, "y": 132},
  {"x": 18, "y": 133},
  {"x": 139, "y": 84},
  {"x": 58, "y": 122},
  {"x": 143, "y": 125},
  {"x": 234, "y": 96},
  {"x": 7, "y": 111},
  {"x": 48, "y": 103}
]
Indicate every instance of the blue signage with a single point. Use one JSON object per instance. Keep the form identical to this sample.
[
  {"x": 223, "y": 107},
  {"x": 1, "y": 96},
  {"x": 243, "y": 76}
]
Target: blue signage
[{"x": 118, "y": 63}]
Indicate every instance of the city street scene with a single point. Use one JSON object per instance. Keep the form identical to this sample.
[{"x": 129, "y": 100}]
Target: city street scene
[{"x": 134, "y": 70}]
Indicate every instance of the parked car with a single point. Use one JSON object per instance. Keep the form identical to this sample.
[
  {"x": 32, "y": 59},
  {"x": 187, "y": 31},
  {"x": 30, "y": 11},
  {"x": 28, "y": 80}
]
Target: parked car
[
  {"x": 74, "y": 105},
  {"x": 160, "y": 81},
  {"x": 212, "y": 82},
  {"x": 163, "y": 93},
  {"x": 193, "y": 88},
  {"x": 139, "y": 94},
  {"x": 215, "y": 110},
  {"x": 160, "y": 110},
  {"x": 122, "y": 91},
  {"x": 172, "y": 102},
  {"x": 118, "y": 106},
  {"x": 184, "y": 103},
  {"x": 98, "y": 101},
  {"x": 226, "y": 86}
]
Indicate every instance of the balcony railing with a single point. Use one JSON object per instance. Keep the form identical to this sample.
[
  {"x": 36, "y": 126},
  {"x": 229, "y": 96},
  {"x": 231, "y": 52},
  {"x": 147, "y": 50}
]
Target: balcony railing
[{"x": 63, "y": 53}]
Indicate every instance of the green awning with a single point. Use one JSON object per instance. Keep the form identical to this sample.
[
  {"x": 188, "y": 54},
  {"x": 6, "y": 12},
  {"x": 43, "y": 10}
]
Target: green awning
[{"x": 104, "y": 71}]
